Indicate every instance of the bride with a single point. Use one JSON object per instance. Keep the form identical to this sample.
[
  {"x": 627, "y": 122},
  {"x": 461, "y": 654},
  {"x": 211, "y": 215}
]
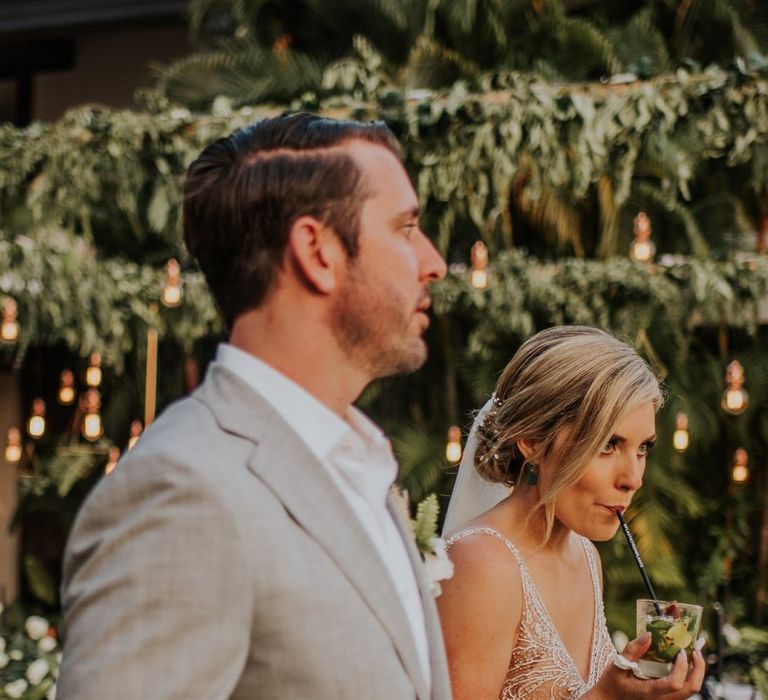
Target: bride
[{"x": 568, "y": 430}]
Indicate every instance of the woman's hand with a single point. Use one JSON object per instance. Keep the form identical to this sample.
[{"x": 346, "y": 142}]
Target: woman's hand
[{"x": 616, "y": 684}]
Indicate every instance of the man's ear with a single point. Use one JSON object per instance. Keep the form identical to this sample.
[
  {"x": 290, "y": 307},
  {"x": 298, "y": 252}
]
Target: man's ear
[{"x": 317, "y": 253}]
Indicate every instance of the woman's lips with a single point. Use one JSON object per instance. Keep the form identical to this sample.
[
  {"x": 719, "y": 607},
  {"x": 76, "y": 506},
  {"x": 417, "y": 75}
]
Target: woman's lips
[{"x": 615, "y": 509}]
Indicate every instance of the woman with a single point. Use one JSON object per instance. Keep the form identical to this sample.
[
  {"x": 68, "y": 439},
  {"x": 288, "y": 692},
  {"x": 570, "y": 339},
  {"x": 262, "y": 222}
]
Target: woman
[{"x": 568, "y": 430}]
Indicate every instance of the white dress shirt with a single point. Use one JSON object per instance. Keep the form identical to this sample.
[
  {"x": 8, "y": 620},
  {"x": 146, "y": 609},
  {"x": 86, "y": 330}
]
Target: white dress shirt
[{"x": 359, "y": 459}]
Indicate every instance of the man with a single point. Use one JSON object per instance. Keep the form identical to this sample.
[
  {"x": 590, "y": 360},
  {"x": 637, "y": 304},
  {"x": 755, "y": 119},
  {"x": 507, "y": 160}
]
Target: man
[{"x": 249, "y": 546}]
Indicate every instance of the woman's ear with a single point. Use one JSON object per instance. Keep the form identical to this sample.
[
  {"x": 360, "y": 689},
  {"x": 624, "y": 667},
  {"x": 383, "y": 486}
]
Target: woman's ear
[
  {"x": 529, "y": 449},
  {"x": 317, "y": 253}
]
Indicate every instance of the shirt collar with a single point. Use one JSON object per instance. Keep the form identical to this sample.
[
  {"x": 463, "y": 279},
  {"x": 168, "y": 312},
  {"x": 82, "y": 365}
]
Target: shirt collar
[{"x": 319, "y": 427}]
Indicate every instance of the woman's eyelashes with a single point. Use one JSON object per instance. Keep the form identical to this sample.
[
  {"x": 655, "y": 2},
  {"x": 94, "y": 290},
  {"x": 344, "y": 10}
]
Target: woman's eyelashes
[{"x": 613, "y": 445}]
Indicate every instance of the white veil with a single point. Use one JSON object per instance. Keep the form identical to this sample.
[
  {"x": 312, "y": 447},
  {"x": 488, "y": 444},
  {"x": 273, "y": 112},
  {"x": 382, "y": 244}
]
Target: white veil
[{"x": 472, "y": 494}]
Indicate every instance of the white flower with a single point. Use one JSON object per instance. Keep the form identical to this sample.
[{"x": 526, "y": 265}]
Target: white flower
[
  {"x": 16, "y": 688},
  {"x": 439, "y": 566},
  {"x": 36, "y": 627},
  {"x": 731, "y": 634},
  {"x": 16, "y": 655},
  {"x": 619, "y": 640},
  {"x": 51, "y": 693},
  {"x": 46, "y": 644},
  {"x": 37, "y": 670},
  {"x": 3, "y": 659}
]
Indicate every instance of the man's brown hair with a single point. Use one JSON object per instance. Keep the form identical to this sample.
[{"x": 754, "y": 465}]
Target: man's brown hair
[{"x": 243, "y": 193}]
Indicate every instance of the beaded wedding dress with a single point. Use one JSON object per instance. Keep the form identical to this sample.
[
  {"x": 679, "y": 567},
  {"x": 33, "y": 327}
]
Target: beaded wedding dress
[{"x": 540, "y": 667}]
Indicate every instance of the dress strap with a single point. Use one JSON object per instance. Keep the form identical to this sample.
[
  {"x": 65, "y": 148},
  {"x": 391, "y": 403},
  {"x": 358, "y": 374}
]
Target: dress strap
[
  {"x": 589, "y": 551},
  {"x": 487, "y": 531}
]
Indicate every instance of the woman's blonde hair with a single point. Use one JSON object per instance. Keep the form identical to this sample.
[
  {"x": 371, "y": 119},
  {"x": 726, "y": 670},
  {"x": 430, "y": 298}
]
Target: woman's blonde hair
[{"x": 573, "y": 378}]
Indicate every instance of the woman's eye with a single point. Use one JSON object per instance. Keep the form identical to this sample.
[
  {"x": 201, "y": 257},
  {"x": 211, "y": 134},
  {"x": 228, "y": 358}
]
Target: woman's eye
[
  {"x": 608, "y": 448},
  {"x": 645, "y": 449}
]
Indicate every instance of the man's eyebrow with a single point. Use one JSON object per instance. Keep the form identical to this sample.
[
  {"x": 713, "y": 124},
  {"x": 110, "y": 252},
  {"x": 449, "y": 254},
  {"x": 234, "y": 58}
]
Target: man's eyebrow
[{"x": 406, "y": 215}]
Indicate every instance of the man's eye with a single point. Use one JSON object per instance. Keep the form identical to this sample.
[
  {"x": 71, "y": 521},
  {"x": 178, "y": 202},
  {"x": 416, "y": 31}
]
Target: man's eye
[{"x": 408, "y": 229}]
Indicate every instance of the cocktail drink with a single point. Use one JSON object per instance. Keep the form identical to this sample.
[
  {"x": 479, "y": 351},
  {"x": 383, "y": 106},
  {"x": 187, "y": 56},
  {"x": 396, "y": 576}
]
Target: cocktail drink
[{"x": 674, "y": 627}]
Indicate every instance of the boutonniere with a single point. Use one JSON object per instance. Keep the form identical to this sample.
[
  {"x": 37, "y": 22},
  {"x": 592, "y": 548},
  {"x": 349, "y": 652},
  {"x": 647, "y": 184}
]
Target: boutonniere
[{"x": 433, "y": 550}]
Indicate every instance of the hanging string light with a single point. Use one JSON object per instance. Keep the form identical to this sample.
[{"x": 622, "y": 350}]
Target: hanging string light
[
  {"x": 735, "y": 399},
  {"x": 643, "y": 248},
  {"x": 479, "y": 255},
  {"x": 13, "y": 446},
  {"x": 680, "y": 438},
  {"x": 36, "y": 423},
  {"x": 92, "y": 428},
  {"x": 136, "y": 428},
  {"x": 453, "y": 447},
  {"x": 172, "y": 287},
  {"x": 9, "y": 330},
  {"x": 740, "y": 469},
  {"x": 93, "y": 373},
  {"x": 114, "y": 455},
  {"x": 66, "y": 387}
]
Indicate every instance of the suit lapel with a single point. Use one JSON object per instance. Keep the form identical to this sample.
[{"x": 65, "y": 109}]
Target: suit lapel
[
  {"x": 305, "y": 488},
  {"x": 437, "y": 659}
]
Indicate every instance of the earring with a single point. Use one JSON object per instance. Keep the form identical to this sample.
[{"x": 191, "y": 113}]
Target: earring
[{"x": 531, "y": 474}]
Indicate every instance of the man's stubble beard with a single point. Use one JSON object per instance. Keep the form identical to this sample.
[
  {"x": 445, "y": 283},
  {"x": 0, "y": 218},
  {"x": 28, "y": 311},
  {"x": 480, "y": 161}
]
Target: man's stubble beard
[{"x": 374, "y": 331}]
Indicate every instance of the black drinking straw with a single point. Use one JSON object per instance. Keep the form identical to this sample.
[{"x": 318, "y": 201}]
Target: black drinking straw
[{"x": 639, "y": 561}]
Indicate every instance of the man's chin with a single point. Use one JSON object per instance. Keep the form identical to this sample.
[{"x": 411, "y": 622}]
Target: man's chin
[{"x": 404, "y": 361}]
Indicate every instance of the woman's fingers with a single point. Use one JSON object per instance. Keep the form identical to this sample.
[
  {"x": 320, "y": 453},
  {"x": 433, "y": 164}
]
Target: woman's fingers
[{"x": 637, "y": 647}]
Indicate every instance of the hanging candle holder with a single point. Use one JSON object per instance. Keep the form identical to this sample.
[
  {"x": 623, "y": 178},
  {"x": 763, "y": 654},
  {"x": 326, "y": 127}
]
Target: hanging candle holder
[
  {"x": 479, "y": 257},
  {"x": 112, "y": 459},
  {"x": 735, "y": 399},
  {"x": 643, "y": 248},
  {"x": 93, "y": 374},
  {"x": 172, "y": 293},
  {"x": 740, "y": 468},
  {"x": 92, "y": 427},
  {"x": 13, "y": 446},
  {"x": 66, "y": 393},
  {"x": 36, "y": 422},
  {"x": 9, "y": 329},
  {"x": 453, "y": 446},
  {"x": 680, "y": 438},
  {"x": 136, "y": 428}
]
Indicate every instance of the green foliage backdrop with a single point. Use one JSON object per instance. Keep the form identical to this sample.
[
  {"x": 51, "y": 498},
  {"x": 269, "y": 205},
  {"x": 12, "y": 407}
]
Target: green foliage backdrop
[{"x": 549, "y": 173}]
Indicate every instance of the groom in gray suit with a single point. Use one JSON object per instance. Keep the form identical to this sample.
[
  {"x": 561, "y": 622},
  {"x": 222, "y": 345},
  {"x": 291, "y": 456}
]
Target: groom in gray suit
[{"x": 250, "y": 545}]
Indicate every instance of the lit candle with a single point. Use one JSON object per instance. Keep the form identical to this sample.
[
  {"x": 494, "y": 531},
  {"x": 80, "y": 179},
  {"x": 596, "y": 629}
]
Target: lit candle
[
  {"x": 172, "y": 287},
  {"x": 93, "y": 373},
  {"x": 479, "y": 255},
  {"x": 66, "y": 387},
  {"x": 92, "y": 427},
  {"x": 13, "y": 446},
  {"x": 36, "y": 424},
  {"x": 680, "y": 438},
  {"x": 453, "y": 447},
  {"x": 9, "y": 330}
]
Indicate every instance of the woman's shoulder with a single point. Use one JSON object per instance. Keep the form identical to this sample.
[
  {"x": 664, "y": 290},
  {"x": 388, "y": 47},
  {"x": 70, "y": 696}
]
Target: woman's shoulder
[
  {"x": 483, "y": 557},
  {"x": 481, "y": 605}
]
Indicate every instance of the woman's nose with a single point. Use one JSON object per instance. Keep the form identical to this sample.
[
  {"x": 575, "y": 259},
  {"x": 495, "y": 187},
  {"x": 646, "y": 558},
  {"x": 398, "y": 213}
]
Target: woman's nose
[{"x": 631, "y": 475}]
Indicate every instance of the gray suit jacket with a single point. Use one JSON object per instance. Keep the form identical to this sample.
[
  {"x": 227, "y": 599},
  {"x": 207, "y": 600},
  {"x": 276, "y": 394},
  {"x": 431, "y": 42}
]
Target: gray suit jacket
[{"x": 219, "y": 560}]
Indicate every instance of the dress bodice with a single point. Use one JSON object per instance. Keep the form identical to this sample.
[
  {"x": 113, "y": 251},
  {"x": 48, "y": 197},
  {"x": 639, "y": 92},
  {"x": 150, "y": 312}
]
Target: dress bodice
[{"x": 540, "y": 667}]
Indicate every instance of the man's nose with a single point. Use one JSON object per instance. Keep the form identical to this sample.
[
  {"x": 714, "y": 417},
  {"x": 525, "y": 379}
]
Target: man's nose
[{"x": 431, "y": 264}]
